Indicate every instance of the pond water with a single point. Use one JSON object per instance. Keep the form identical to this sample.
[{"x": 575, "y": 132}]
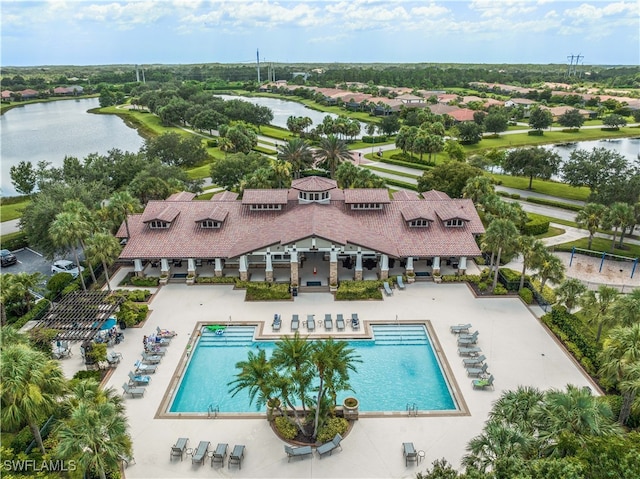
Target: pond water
[
  {"x": 627, "y": 147},
  {"x": 50, "y": 131}
]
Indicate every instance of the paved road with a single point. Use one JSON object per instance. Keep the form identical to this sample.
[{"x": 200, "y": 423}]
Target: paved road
[{"x": 11, "y": 226}]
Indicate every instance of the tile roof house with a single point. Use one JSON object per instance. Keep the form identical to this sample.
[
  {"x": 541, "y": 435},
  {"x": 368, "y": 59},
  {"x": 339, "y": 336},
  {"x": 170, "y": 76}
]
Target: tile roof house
[
  {"x": 312, "y": 219},
  {"x": 462, "y": 114}
]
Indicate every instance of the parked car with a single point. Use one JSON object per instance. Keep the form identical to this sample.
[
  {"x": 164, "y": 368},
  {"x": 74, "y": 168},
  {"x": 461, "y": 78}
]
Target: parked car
[
  {"x": 8, "y": 258},
  {"x": 66, "y": 266}
]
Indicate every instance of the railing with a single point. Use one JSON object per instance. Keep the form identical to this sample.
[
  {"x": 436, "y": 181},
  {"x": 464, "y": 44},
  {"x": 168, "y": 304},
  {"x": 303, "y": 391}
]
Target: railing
[
  {"x": 212, "y": 412},
  {"x": 412, "y": 409}
]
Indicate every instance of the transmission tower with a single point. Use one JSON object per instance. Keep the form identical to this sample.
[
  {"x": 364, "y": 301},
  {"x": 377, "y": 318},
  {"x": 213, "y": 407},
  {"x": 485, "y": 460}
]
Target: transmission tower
[{"x": 574, "y": 60}]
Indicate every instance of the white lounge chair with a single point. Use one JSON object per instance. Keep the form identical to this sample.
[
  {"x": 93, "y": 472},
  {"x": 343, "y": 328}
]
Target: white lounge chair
[
  {"x": 132, "y": 391},
  {"x": 328, "y": 322},
  {"x": 340, "y": 322},
  {"x": 311, "y": 323},
  {"x": 200, "y": 453},
  {"x": 179, "y": 448},
  {"x": 409, "y": 452},
  {"x": 295, "y": 322},
  {"x": 219, "y": 454},
  {"x": 297, "y": 451},
  {"x": 236, "y": 456},
  {"x": 328, "y": 447}
]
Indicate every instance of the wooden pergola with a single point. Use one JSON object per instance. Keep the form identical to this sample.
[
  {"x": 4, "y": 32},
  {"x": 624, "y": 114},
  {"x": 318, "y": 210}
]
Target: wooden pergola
[{"x": 81, "y": 314}]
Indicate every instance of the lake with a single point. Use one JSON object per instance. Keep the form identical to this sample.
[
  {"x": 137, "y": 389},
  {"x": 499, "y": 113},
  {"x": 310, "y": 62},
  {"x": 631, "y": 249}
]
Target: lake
[{"x": 50, "y": 131}]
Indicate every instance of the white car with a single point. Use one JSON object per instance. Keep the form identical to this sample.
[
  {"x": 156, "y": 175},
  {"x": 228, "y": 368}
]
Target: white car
[{"x": 66, "y": 266}]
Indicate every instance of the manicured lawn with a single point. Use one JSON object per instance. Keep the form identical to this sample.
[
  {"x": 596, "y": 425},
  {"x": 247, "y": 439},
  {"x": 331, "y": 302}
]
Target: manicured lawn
[
  {"x": 603, "y": 245},
  {"x": 554, "y": 220},
  {"x": 391, "y": 172},
  {"x": 276, "y": 133},
  {"x": 552, "y": 188},
  {"x": 553, "y": 231},
  {"x": 199, "y": 172},
  {"x": 12, "y": 211}
]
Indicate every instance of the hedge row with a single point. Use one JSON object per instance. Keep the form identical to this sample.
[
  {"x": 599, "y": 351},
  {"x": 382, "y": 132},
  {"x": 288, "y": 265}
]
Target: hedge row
[
  {"x": 216, "y": 279},
  {"x": 461, "y": 278},
  {"x": 267, "y": 291},
  {"x": 374, "y": 139},
  {"x": 416, "y": 166},
  {"x": 556, "y": 204},
  {"x": 536, "y": 226},
  {"x": 354, "y": 290},
  {"x": 401, "y": 184},
  {"x": 14, "y": 241},
  {"x": 583, "y": 349}
]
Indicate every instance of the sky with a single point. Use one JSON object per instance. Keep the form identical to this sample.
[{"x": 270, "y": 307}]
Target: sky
[{"x": 99, "y": 32}]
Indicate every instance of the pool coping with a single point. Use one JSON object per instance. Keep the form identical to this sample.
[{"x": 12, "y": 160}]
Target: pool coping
[{"x": 365, "y": 333}]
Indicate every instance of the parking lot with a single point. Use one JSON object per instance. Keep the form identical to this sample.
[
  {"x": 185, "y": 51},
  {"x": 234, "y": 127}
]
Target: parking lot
[{"x": 30, "y": 261}]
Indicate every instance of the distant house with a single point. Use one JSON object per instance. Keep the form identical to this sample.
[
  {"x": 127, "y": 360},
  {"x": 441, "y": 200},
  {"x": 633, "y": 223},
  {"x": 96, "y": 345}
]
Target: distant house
[
  {"x": 68, "y": 90},
  {"x": 462, "y": 114},
  {"x": 558, "y": 111},
  {"x": 447, "y": 98},
  {"x": 523, "y": 102},
  {"x": 410, "y": 99},
  {"x": 7, "y": 94},
  {"x": 28, "y": 94}
]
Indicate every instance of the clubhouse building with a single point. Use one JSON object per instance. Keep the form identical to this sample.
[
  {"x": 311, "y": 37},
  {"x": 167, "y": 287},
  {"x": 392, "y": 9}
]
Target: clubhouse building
[{"x": 312, "y": 233}]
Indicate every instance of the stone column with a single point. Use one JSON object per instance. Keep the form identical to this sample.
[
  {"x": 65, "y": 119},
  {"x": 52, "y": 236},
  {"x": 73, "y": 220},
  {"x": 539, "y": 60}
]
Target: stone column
[
  {"x": 358, "y": 273},
  {"x": 436, "y": 265},
  {"x": 137, "y": 267},
  {"x": 191, "y": 266},
  {"x": 217, "y": 268},
  {"x": 333, "y": 267},
  {"x": 462, "y": 266},
  {"x": 384, "y": 266},
  {"x": 409, "y": 268},
  {"x": 294, "y": 268},
  {"x": 164, "y": 266},
  {"x": 242, "y": 268},
  {"x": 268, "y": 270}
]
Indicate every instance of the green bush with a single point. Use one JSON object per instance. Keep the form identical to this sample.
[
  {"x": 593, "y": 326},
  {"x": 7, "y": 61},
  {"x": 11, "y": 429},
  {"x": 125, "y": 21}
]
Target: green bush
[
  {"x": 417, "y": 166},
  {"x": 267, "y": 292},
  {"x": 480, "y": 261},
  {"x": 58, "y": 282},
  {"x": 14, "y": 241},
  {"x": 40, "y": 308},
  {"x": 355, "y": 290},
  {"x": 212, "y": 143},
  {"x": 526, "y": 295},
  {"x": 374, "y": 139},
  {"x": 482, "y": 286},
  {"x": 98, "y": 352},
  {"x": 139, "y": 295},
  {"x": 535, "y": 133},
  {"x": 22, "y": 440},
  {"x": 333, "y": 426},
  {"x": 144, "y": 281},
  {"x": 536, "y": 226},
  {"x": 75, "y": 286},
  {"x": 132, "y": 313},
  {"x": 401, "y": 184},
  {"x": 514, "y": 196},
  {"x": 500, "y": 290},
  {"x": 285, "y": 429},
  {"x": 453, "y": 278},
  {"x": 82, "y": 375},
  {"x": 556, "y": 204},
  {"x": 216, "y": 280}
]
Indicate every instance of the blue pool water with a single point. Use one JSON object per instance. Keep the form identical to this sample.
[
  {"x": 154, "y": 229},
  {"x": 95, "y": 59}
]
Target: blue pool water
[{"x": 398, "y": 368}]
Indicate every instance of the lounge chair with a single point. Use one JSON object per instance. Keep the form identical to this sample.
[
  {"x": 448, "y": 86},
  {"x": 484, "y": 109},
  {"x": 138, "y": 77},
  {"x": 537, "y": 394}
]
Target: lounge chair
[
  {"x": 328, "y": 322},
  {"x": 155, "y": 350},
  {"x": 113, "y": 358},
  {"x": 468, "y": 340},
  {"x": 297, "y": 451},
  {"x": 165, "y": 333},
  {"x": 275, "y": 326},
  {"x": 477, "y": 371},
  {"x": 460, "y": 328},
  {"x": 355, "y": 321},
  {"x": 142, "y": 368},
  {"x": 483, "y": 383},
  {"x": 340, "y": 322},
  {"x": 311, "y": 323},
  {"x": 469, "y": 351},
  {"x": 387, "y": 288},
  {"x": 328, "y": 447},
  {"x": 400, "y": 282},
  {"x": 295, "y": 322},
  {"x": 219, "y": 454},
  {"x": 474, "y": 361},
  {"x": 236, "y": 456},
  {"x": 409, "y": 452},
  {"x": 138, "y": 380},
  {"x": 133, "y": 392},
  {"x": 469, "y": 335},
  {"x": 149, "y": 358},
  {"x": 200, "y": 453},
  {"x": 179, "y": 448}
]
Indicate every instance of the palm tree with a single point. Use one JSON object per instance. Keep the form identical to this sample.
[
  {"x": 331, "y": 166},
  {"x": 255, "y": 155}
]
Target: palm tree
[
  {"x": 549, "y": 267},
  {"x": 298, "y": 153},
  {"x": 105, "y": 248},
  {"x": 528, "y": 247},
  {"x": 30, "y": 386},
  {"x": 257, "y": 375},
  {"x": 280, "y": 174},
  {"x": 333, "y": 360},
  {"x": 516, "y": 407},
  {"x": 15, "y": 292},
  {"x": 498, "y": 441},
  {"x": 626, "y": 308},
  {"x": 596, "y": 307},
  {"x": 331, "y": 152},
  {"x": 66, "y": 231},
  {"x": 292, "y": 355},
  {"x": 569, "y": 292},
  {"x": 121, "y": 205},
  {"x": 501, "y": 234},
  {"x": 620, "y": 360},
  {"x": 83, "y": 215},
  {"x": 591, "y": 217},
  {"x": 619, "y": 216},
  {"x": 478, "y": 188}
]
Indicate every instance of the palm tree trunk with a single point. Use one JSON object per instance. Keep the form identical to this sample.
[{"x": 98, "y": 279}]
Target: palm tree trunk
[
  {"x": 35, "y": 430},
  {"x": 495, "y": 278},
  {"x": 524, "y": 270},
  {"x": 625, "y": 411},
  {"x": 613, "y": 242},
  {"x": 75, "y": 254},
  {"x": 318, "y": 406},
  {"x": 84, "y": 251},
  {"x": 590, "y": 240},
  {"x": 106, "y": 275},
  {"x": 491, "y": 261},
  {"x": 531, "y": 182},
  {"x": 622, "y": 231},
  {"x": 126, "y": 221},
  {"x": 599, "y": 333}
]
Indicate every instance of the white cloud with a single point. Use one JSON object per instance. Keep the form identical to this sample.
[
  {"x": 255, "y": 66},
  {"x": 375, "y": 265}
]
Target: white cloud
[
  {"x": 502, "y": 8},
  {"x": 125, "y": 15}
]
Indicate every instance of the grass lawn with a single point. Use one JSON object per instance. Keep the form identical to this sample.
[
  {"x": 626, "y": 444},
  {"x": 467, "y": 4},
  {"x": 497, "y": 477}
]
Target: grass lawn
[
  {"x": 553, "y": 231},
  {"x": 276, "y": 133},
  {"x": 146, "y": 123},
  {"x": 12, "y": 211},
  {"x": 199, "y": 172},
  {"x": 601, "y": 244},
  {"x": 391, "y": 172},
  {"x": 553, "y": 188}
]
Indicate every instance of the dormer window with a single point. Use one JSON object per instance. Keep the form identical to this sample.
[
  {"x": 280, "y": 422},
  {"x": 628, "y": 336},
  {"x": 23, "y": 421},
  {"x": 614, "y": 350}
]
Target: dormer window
[
  {"x": 454, "y": 223},
  {"x": 419, "y": 223},
  {"x": 157, "y": 224},
  {"x": 265, "y": 207},
  {"x": 313, "y": 196},
  {"x": 210, "y": 224},
  {"x": 366, "y": 206}
]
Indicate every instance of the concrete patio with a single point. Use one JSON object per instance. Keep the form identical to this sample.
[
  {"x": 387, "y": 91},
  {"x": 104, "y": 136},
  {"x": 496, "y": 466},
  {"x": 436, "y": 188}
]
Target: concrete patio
[{"x": 519, "y": 352}]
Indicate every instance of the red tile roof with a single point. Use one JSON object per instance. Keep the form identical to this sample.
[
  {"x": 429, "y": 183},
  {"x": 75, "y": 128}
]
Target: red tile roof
[
  {"x": 314, "y": 183},
  {"x": 405, "y": 195},
  {"x": 216, "y": 214},
  {"x": 433, "y": 195},
  {"x": 182, "y": 196},
  {"x": 225, "y": 196},
  {"x": 462, "y": 114},
  {"x": 167, "y": 213},
  {"x": 264, "y": 197},
  {"x": 415, "y": 210},
  {"x": 366, "y": 195}
]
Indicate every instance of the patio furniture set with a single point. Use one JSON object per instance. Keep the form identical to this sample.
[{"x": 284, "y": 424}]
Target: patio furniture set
[
  {"x": 200, "y": 453},
  {"x": 473, "y": 359}
]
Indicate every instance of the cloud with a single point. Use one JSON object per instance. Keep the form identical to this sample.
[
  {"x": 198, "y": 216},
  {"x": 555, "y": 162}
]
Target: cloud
[
  {"x": 125, "y": 14},
  {"x": 587, "y": 13},
  {"x": 502, "y": 8}
]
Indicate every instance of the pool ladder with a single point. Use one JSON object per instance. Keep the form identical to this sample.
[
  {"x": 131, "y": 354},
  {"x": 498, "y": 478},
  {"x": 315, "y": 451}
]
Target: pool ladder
[
  {"x": 213, "y": 411},
  {"x": 412, "y": 409}
]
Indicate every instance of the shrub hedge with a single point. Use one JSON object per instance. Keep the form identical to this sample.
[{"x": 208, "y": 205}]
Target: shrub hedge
[
  {"x": 417, "y": 166},
  {"x": 144, "y": 281},
  {"x": 14, "y": 241},
  {"x": 556, "y": 204},
  {"x": 216, "y": 279},
  {"x": 526, "y": 295},
  {"x": 267, "y": 291},
  {"x": 285, "y": 429},
  {"x": 535, "y": 226},
  {"x": 354, "y": 290},
  {"x": 452, "y": 278},
  {"x": 401, "y": 184},
  {"x": 374, "y": 139},
  {"x": 333, "y": 426}
]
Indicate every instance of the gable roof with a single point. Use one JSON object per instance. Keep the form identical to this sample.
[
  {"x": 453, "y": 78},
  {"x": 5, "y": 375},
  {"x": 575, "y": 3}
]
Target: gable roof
[
  {"x": 264, "y": 197},
  {"x": 215, "y": 214},
  {"x": 225, "y": 196},
  {"x": 168, "y": 214},
  {"x": 182, "y": 196},
  {"x": 366, "y": 195},
  {"x": 314, "y": 183}
]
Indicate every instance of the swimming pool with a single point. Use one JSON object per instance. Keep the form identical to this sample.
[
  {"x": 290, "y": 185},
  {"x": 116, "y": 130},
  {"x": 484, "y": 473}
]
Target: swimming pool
[{"x": 399, "y": 368}]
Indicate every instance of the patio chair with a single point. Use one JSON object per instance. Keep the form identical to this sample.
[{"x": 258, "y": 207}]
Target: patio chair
[
  {"x": 409, "y": 452},
  {"x": 275, "y": 326},
  {"x": 155, "y": 350},
  {"x": 387, "y": 288},
  {"x": 149, "y": 358},
  {"x": 165, "y": 333},
  {"x": 340, "y": 322},
  {"x": 483, "y": 383},
  {"x": 460, "y": 328},
  {"x": 200, "y": 453},
  {"x": 469, "y": 335},
  {"x": 355, "y": 321},
  {"x": 113, "y": 358},
  {"x": 477, "y": 371},
  {"x": 179, "y": 448},
  {"x": 145, "y": 368},
  {"x": 297, "y": 451},
  {"x": 400, "y": 282},
  {"x": 138, "y": 380},
  {"x": 468, "y": 340},
  {"x": 328, "y": 322},
  {"x": 133, "y": 392},
  {"x": 469, "y": 351},
  {"x": 295, "y": 322},
  {"x": 219, "y": 454},
  {"x": 328, "y": 447},
  {"x": 236, "y": 456},
  {"x": 477, "y": 361},
  {"x": 311, "y": 322}
]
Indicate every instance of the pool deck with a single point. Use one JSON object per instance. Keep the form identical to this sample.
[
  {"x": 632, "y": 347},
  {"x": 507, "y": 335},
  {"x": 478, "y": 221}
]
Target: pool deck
[{"x": 518, "y": 348}]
